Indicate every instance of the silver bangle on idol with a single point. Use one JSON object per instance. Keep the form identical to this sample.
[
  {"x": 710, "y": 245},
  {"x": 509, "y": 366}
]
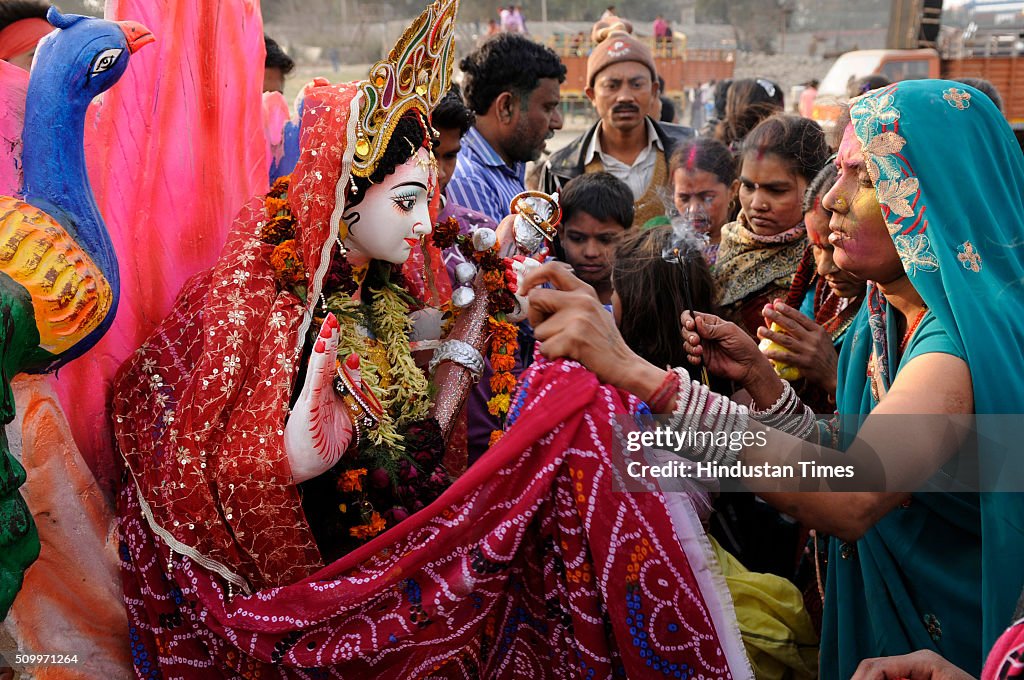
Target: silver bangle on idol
[{"x": 460, "y": 352}]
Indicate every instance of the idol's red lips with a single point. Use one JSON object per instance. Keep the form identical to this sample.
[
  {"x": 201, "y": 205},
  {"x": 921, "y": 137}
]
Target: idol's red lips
[{"x": 412, "y": 242}]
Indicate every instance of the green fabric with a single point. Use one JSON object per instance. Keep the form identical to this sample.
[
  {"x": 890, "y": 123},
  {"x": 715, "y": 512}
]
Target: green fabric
[{"x": 944, "y": 572}]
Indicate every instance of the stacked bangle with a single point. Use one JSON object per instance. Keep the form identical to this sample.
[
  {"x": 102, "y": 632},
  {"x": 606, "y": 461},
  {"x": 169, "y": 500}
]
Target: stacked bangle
[
  {"x": 663, "y": 398},
  {"x": 788, "y": 414}
]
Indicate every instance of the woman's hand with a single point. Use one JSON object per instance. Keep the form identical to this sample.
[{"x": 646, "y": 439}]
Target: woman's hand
[
  {"x": 810, "y": 348},
  {"x": 729, "y": 352},
  {"x": 319, "y": 428},
  {"x": 571, "y": 323},
  {"x": 921, "y": 665}
]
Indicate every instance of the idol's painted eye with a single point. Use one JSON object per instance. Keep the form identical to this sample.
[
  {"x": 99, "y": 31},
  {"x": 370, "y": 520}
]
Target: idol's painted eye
[
  {"x": 105, "y": 60},
  {"x": 405, "y": 203}
]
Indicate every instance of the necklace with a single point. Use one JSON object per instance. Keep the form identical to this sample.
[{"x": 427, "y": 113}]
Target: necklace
[{"x": 911, "y": 328}]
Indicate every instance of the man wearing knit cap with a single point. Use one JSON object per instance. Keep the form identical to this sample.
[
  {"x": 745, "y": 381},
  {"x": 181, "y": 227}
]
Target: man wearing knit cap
[
  {"x": 622, "y": 84},
  {"x": 22, "y": 25}
]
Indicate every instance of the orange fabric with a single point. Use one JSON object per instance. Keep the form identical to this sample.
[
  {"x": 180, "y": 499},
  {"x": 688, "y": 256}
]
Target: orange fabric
[
  {"x": 22, "y": 36},
  {"x": 71, "y": 600}
]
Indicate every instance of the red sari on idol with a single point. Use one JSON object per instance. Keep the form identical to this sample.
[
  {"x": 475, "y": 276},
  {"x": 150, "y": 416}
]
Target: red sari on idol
[{"x": 530, "y": 564}]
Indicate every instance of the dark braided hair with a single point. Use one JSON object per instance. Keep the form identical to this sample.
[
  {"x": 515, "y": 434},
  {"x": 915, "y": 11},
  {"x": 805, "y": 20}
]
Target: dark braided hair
[
  {"x": 798, "y": 141},
  {"x": 820, "y": 185}
]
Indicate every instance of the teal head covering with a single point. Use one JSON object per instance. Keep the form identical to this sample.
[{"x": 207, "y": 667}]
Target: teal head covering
[{"x": 945, "y": 572}]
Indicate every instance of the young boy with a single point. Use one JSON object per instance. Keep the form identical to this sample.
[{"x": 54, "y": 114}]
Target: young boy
[{"x": 597, "y": 209}]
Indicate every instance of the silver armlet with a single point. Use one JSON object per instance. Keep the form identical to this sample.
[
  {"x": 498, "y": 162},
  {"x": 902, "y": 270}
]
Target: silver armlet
[{"x": 460, "y": 352}]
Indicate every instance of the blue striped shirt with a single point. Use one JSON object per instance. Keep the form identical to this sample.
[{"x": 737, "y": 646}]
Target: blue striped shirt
[{"x": 482, "y": 181}]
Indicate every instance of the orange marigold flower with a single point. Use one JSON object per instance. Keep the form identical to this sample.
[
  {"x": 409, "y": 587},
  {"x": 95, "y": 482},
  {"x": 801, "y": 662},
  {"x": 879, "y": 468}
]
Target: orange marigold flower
[
  {"x": 503, "y": 362},
  {"x": 446, "y": 233},
  {"x": 495, "y": 437},
  {"x": 278, "y": 229},
  {"x": 280, "y": 187},
  {"x": 287, "y": 263},
  {"x": 352, "y": 480},
  {"x": 503, "y": 382},
  {"x": 494, "y": 280},
  {"x": 498, "y": 405},
  {"x": 369, "y": 530},
  {"x": 275, "y": 205},
  {"x": 503, "y": 332}
]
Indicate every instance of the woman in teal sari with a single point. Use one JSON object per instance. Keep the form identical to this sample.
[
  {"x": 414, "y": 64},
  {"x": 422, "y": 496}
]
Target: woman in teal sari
[{"x": 927, "y": 207}]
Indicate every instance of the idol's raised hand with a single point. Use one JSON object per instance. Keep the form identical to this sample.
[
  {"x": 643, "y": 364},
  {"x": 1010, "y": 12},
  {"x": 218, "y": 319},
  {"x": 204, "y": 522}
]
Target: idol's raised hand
[{"x": 319, "y": 428}]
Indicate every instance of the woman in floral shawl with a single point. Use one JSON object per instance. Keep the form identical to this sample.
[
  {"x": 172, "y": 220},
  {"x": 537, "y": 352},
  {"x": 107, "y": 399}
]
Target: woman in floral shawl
[{"x": 928, "y": 208}]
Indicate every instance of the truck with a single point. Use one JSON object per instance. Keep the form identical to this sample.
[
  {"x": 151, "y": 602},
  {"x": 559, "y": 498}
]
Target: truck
[
  {"x": 996, "y": 59},
  {"x": 682, "y": 67}
]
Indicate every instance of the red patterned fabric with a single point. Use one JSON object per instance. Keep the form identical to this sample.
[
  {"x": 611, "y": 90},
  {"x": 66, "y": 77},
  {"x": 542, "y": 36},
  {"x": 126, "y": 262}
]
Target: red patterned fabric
[
  {"x": 530, "y": 565},
  {"x": 199, "y": 410}
]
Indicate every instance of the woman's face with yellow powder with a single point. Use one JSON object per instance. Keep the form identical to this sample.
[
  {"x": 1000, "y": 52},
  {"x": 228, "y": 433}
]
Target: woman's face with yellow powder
[{"x": 861, "y": 240}]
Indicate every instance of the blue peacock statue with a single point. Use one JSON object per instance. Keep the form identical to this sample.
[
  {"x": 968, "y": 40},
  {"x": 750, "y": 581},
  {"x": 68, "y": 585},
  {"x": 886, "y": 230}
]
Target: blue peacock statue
[{"x": 59, "y": 283}]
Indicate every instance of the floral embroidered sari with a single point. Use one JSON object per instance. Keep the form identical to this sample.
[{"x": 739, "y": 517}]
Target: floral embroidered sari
[{"x": 944, "y": 571}]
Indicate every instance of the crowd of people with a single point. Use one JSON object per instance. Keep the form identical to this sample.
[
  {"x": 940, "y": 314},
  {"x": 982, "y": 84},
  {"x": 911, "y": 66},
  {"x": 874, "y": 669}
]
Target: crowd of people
[{"x": 381, "y": 436}]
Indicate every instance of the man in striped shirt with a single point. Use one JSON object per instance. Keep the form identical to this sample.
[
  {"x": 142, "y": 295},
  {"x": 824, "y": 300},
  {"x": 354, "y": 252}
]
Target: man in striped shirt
[{"x": 512, "y": 84}]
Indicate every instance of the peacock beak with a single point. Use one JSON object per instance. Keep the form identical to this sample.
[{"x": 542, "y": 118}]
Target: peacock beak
[{"x": 136, "y": 34}]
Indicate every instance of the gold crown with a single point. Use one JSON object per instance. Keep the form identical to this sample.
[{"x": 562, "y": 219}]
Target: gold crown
[{"x": 415, "y": 75}]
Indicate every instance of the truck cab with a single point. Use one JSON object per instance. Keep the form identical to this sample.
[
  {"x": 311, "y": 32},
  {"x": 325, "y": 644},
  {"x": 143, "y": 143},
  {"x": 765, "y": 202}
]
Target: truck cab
[{"x": 893, "y": 64}]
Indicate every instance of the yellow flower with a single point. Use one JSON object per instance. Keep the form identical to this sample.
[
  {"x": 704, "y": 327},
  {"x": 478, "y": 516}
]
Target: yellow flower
[{"x": 498, "y": 405}]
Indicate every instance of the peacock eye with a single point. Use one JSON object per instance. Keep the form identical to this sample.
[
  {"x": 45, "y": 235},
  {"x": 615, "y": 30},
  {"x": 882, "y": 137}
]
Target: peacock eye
[{"x": 105, "y": 60}]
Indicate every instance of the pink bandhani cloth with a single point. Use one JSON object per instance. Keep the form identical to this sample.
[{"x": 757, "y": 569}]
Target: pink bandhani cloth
[
  {"x": 1006, "y": 660},
  {"x": 530, "y": 565}
]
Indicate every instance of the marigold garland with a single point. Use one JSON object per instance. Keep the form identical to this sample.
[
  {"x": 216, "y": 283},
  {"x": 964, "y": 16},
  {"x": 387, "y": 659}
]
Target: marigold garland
[
  {"x": 288, "y": 264},
  {"x": 404, "y": 452},
  {"x": 503, "y": 337}
]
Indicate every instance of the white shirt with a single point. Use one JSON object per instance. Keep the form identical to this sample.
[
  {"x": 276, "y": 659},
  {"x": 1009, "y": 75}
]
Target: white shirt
[{"x": 638, "y": 175}]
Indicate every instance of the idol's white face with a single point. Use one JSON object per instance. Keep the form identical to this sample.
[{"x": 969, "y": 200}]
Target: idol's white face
[{"x": 393, "y": 215}]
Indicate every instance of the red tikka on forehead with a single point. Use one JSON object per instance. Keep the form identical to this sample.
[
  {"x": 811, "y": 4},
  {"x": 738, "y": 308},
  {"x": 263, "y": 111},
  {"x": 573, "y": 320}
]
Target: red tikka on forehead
[
  {"x": 691, "y": 159},
  {"x": 815, "y": 239}
]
